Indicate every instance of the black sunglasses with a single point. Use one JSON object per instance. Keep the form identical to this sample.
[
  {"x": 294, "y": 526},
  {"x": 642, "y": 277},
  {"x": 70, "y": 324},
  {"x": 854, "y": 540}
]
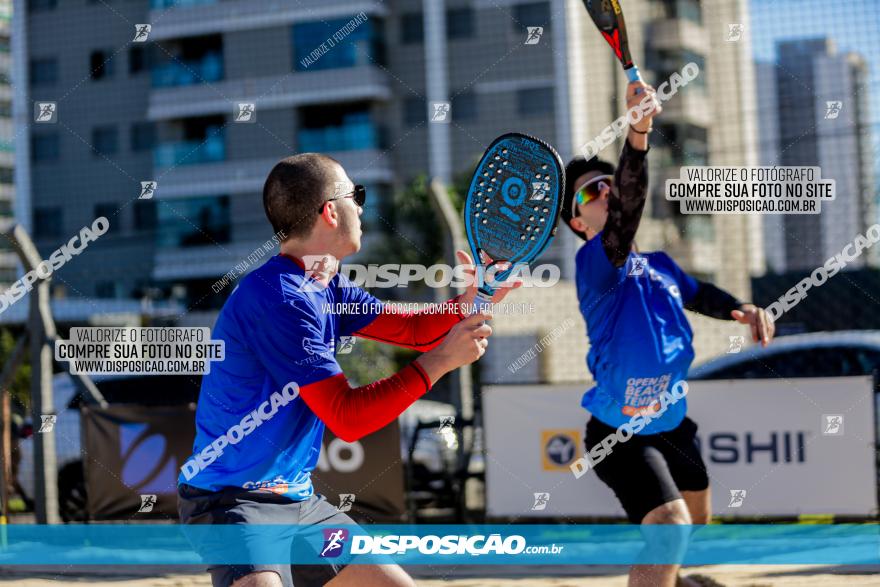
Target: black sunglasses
[{"x": 359, "y": 194}]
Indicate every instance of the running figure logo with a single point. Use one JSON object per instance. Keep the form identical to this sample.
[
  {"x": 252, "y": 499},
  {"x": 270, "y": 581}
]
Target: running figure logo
[
  {"x": 141, "y": 33},
  {"x": 541, "y": 501},
  {"x": 346, "y": 500},
  {"x": 47, "y": 423},
  {"x": 734, "y": 32},
  {"x": 736, "y": 343},
  {"x": 147, "y": 503},
  {"x": 832, "y": 424},
  {"x": 832, "y": 109},
  {"x": 446, "y": 423},
  {"x": 638, "y": 266},
  {"x": 440, "y": 111},
  {"x": 318, "y": 270},
  {"x": 533, "y": 37},
  {"x": 539, "y": 190},
  {"x": 246, "y": 112},
  {"x": 148, "y": 188},
  {"x": 737, "y": 497},
  {"x": 334, "y": 539},
  {"x": 346, "y": 345},
  {"x": 45, "y": 112}
]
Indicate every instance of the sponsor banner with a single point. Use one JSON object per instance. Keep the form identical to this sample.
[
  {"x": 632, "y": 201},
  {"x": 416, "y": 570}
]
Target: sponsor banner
[
  {"x": 133, "y": 455},
  {"x": 780, "y": 447},
  {"x": 532, "y": 544}
]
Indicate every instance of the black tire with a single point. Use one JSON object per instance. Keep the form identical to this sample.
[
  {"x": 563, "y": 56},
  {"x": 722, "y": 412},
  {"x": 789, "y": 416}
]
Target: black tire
[{"x": 72, "y": 497}]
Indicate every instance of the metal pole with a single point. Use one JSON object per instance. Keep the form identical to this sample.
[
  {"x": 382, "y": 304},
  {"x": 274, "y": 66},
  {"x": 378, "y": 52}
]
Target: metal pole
[
  {"x": 437, "y": 88},
  {"x": 45, "y": 464}
]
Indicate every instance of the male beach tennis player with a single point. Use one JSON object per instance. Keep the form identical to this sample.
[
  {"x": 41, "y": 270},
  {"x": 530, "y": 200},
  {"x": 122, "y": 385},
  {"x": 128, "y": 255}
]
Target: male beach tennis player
[
  {"x": 280, "y": 384},
  {"x": 641, "y": 342}
]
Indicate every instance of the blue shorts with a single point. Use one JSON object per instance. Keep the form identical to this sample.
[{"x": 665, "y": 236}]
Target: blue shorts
[{"x": 244, "y": 506}]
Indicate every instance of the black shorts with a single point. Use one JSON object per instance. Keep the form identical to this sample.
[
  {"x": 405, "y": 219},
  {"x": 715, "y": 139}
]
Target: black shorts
[
  {"x": 649, "y": 470},
  {"x": 243, "y": 506}
]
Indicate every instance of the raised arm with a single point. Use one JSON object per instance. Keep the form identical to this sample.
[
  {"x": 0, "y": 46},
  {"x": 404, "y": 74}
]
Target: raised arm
[{"x": 627, "y": 200}]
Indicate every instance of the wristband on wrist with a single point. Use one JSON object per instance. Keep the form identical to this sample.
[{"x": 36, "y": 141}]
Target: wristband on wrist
[{"x": 650, "y": 130}]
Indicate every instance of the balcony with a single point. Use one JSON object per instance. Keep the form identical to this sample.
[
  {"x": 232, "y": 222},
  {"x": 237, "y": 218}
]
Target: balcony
[
  {"x": 356, "y": 133},
  {"x": 209, "y": 69},
  {"x": 201, "y": 17},
  {"x": 248, "y": 176},
  {"x": 193, "y": 152},
  {"x": 164, "y": 4},
  {"x": 677, "y": 33},
  {"x": 366, "y": 82}
]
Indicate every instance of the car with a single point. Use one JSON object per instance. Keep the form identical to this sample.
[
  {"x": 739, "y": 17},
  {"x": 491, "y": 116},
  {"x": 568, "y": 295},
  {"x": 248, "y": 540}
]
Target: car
[{"x": 843, "y": 353}]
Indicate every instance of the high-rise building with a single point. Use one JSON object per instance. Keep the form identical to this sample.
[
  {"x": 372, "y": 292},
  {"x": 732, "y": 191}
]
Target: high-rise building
[
  {"x": 814, "y": 110},
  {"x": 7, "y": 144},
  {"x": 364, "y": 82}
]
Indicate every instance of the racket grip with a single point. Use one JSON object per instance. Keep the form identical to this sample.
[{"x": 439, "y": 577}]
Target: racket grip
[
  {"x": 633, "y": 74},
  {"x": 481, "y": 301}
]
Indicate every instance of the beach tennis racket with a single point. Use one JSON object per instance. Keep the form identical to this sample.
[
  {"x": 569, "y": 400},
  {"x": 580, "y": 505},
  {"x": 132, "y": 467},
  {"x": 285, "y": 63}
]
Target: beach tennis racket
[
  {"x": 511, "y": 209},
  {"x": 608, "y": 18}
]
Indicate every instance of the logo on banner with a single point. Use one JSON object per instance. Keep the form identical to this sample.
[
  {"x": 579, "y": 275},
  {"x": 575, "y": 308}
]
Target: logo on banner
[
  {"x": 559, "y": 449},
  {"x": 334, "y": 540}
]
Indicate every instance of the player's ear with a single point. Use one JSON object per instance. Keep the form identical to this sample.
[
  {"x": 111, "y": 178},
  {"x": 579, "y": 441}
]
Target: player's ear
[
  {"x": 330, "y": 214},
  {"x": 578, "y": 224}
]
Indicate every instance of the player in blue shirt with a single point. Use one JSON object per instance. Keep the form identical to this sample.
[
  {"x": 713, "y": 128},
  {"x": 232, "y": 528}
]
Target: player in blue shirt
[
  {"x": 262, "y": 411},
  {"x": 640, "y": 346}
]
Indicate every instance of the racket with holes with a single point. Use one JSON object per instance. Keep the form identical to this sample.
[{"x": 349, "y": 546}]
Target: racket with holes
[{"x": 512, "y": 208}]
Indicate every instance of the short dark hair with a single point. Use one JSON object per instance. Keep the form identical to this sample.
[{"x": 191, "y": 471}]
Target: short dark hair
[
  {"x": 294, "y": 191},
  {"x": 576, "y": 168}
]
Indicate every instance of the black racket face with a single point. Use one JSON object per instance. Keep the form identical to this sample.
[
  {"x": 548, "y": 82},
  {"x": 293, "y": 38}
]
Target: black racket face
[
  {"x": 514, "y": 201},
  {"x": 608, "y": 17}
]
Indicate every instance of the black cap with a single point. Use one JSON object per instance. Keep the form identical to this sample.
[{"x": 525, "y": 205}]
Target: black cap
[{"x": 576, "y": 168}]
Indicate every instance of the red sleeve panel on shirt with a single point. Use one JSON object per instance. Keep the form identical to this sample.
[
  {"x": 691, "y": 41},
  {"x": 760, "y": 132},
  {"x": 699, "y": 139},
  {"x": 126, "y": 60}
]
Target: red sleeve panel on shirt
[
  {"x": 352, "y": 413},
  {"x": 420, "y": 331}
]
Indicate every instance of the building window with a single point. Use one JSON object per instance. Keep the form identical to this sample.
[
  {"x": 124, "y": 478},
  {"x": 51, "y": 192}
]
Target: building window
[
  {"x": 4, "y": 43},
  {"x": 192, "y": 222},
  {"x": 47, "y": 222},
  {"x": 110, "y": 211},
  {"x": 464, "y": 107},
  {"x": 145, "y": 215},
  {"x": 143, "y": 136},
  {"x": 45, "y": 147},
  {"x": 139, "y": 59},
  {"x": 44, "y": 72},
  {"x": 665, "y": 62},
  {"x": 531, "y": 14},
  {"x": 101, "y": 64},
  {"x": 105, "y": 140},
  {"x": 346, "y": 127},
  {"x": 460, "y": 23},
  {"x": 7, "y": 175},
  {"x": 361, "y": 46},
  {"x": 412, "y": 28},
  {"x": 42, "y": 5},
  {"x": 686, "y": 9},
  {"x": 534, "y": 101},
  {"x": 414, "y": 111},
  {"x": 5, "y": 108},
  {"x": 105, "y": 289}
]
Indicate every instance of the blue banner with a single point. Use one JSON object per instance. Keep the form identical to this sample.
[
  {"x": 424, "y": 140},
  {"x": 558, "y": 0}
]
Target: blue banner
[{"x": 491, "y": 544}]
